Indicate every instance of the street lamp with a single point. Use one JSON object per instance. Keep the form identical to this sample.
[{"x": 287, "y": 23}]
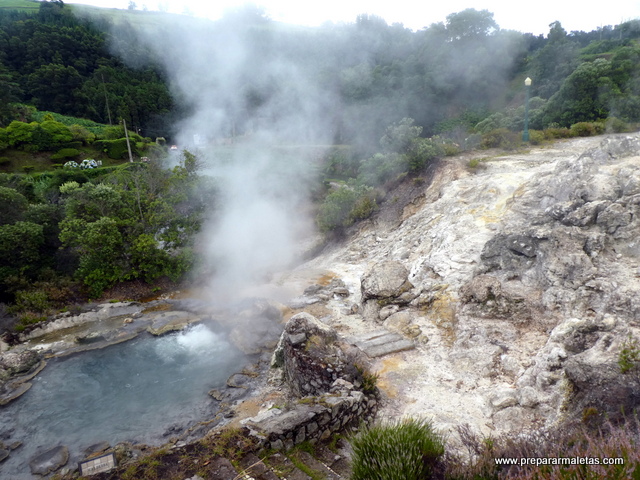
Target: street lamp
[{"x": 525, "y": 134}]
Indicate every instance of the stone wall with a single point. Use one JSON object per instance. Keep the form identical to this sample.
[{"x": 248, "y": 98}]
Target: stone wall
[
  {"x": 315, "y": 418},
  {"x": 323, "y": 378}
]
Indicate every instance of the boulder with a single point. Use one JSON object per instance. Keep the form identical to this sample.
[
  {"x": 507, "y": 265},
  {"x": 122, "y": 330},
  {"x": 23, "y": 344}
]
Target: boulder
[
  {"x": 386, "y": 280},
  {"x": 386, "y": 283},
  {"x": 600, "y": 386},
  {"x": 49, "y": 461},
  {"x": 15, "y": 363},
  {"x": 400, "y": 321},
  {"x": 167, "y": 322},
  {"x": 510, "y": 252}
]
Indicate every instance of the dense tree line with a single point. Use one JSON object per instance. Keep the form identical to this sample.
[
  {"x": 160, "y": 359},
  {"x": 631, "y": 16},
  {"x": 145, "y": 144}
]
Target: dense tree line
[
  {"x": 58, "y": 62},
  {"x": 448, "y": 75}
]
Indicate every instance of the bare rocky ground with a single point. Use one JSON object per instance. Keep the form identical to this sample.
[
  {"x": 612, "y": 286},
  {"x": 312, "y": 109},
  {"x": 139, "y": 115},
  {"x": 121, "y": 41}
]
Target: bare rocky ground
[{"x": 522, "y": 280}]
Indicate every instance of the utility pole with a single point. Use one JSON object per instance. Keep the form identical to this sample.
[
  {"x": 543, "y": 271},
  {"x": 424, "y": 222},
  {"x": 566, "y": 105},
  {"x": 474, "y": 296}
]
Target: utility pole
[
  {"x": 126, "y": 134},
  {"x": 106, "y": 100}
]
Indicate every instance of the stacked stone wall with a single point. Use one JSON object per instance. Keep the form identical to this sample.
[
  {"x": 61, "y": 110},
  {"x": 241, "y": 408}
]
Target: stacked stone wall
[{"x": 316, "y": 418}]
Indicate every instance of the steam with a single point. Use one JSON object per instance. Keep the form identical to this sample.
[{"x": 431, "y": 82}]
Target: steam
[
  {"x": 239, "y": 87},
  {"x": 267, "y": 87}
]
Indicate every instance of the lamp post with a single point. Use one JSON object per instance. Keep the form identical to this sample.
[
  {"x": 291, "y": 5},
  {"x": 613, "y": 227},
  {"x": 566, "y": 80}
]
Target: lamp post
[{"x": 525, "y": 134}]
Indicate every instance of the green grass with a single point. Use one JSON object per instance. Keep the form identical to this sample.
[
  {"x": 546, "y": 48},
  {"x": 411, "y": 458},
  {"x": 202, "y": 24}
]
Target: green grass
[
  {"x": 93, "y": 127},
  {"x": 409, "y": 449},
  {"x": 21, "y": 5}
]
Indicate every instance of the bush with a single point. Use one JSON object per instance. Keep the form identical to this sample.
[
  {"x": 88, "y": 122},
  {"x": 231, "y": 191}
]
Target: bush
[
  {"x": 115, "y": 149},
  {"x": 536, "y": 137},
  {"x": 82, "y": 134},
  {"x": 629, "y": 356},
  {"x": 421, "y": 152},
  {"x": 19, "y": 133},
  {"x": 65, "y": 153},
  {"x": 407, "y": 450},
  {"x": 381, "y": 167},
  {"x": 344, "y": 205},
  {"x": 501, "y": 138},
  {"x": 49, "y": 134},
  {"x": 31, "y": 301},
  {"x": 564, "y": 442},
  {"x": 616, "y": 125},
  {"x": 553, "y": 133},
  {"x": 587, "y": 129}
]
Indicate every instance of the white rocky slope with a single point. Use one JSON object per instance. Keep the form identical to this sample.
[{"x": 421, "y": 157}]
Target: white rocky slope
[{"x": 524, "y": 282}]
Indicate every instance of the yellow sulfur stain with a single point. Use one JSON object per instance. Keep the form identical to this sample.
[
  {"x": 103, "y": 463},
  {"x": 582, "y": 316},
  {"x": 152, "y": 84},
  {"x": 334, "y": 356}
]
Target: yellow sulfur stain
[{"x": 390, "y": 366}]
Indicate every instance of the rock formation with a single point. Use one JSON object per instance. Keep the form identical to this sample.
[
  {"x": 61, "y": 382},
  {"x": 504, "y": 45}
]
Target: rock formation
[{"x": 522, "y": 279}]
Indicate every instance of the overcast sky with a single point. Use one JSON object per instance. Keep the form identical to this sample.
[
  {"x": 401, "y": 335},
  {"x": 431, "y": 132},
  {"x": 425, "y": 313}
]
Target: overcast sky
[{"x": 531, "y": 16}]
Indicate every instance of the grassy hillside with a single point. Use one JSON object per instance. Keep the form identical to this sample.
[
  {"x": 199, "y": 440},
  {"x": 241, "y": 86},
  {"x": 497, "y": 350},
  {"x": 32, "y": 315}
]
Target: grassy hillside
[{"x": 22, "y": 5}]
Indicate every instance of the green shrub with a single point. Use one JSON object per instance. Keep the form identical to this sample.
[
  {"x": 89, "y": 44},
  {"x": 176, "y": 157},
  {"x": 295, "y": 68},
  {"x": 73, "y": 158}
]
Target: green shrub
[
  {"x": 536, "y": 137},
  {"x": 421, "y": 152},
  {"x": 587, "y": 129},
  {"x": 553, "y": 133},
  {"x": 345, "y": 205},
  {"x": 406, "y": 450},
  {"x": 82, "y": 134},
  {"x": 115, "y": 149},
  {"x": 65, "y": 153},
  {"x": 381, "y": 167},
  {"x": 32, "y": 301},
  {"x": 616, "y": 125},
  {"x": 19, "y": 133},
  {"x": 50, "y": 134},
  {"x": 28, "y": 318},
  {"x": 363, "y": 208},
  {"x": 113, "y": 132},
  {"x": 629, "y": 356},
  {"x": 4, "y": 161},
  {"x": 501, "y": 138}
]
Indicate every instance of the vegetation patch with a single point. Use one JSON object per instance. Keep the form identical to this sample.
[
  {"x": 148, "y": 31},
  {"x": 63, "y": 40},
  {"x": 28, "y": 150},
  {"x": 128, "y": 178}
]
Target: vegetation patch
[{"x": 409, "y": 449}]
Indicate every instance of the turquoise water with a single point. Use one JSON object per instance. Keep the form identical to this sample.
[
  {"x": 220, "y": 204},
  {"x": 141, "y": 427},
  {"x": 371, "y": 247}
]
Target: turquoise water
[{"x": 136, "y": 391}]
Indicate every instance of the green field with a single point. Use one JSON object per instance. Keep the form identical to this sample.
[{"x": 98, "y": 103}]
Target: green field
[{"x": 28, "y": 5}]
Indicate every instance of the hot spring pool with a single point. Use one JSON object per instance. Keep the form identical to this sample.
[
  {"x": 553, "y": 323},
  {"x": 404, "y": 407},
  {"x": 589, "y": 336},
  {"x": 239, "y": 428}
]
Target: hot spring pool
[{"x": 134, "y": 391}]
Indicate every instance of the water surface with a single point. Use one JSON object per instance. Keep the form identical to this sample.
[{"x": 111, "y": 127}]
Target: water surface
[{"x": 134, "y": 391}]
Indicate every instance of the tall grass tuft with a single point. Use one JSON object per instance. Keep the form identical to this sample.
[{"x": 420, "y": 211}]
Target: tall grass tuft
[{"x": 409, "y": 449}]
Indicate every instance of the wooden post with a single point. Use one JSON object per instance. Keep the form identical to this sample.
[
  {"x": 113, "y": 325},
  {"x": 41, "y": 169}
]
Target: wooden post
[{"x": 126, "y": 134}]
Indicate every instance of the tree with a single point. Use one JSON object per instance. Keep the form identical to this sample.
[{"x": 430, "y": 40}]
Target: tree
[
  {"x": 9, "y": 91},
  {"x": 553, "y": 63},
  {"x": 100, "y": 248},
  {"x": 399, "y": 136},
  {"x": 20, "y": 133},
  {"x": 50, "y": 134},
  {"x": 13, "y": 206},
  {"x": 20, "y": 244},
  {"x": 470, "y": 24},
  {"x": 584, "y": 96}
]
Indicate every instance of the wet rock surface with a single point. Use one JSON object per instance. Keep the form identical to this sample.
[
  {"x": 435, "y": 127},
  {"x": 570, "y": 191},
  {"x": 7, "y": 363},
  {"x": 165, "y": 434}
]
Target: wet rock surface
[{"x": 49, "y": 461}]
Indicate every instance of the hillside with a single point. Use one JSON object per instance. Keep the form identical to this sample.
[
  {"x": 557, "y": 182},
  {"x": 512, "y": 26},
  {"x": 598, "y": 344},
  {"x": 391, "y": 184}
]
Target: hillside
[{"x": 523, "y": 287}]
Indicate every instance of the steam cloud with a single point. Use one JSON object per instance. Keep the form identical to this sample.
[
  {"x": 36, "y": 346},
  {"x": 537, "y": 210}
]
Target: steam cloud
[
  {"x": 237, "y": 84},
  {"x": 247, "y": 78}
]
